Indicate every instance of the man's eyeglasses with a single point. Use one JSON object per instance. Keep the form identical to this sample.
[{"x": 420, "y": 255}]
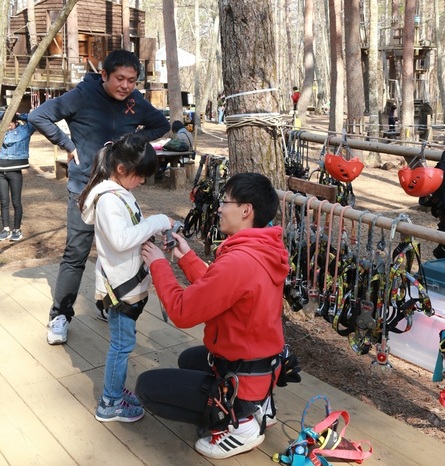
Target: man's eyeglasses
[{"x": 222, "y": 202}]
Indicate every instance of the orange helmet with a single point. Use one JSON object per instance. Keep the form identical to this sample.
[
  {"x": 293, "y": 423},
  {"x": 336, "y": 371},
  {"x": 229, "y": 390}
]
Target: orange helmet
[
  {"x": 342, "y": 169},
  {"x": 420, "y": 181}
]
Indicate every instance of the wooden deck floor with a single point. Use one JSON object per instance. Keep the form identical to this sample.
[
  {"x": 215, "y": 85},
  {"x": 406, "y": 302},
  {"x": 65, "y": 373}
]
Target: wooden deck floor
[{"x": 48, "y": 394}]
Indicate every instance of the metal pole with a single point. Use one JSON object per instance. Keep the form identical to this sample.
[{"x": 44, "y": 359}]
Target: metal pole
[
  {"x": 372, "y": 146},
  {"x": 405, "y": 228}
]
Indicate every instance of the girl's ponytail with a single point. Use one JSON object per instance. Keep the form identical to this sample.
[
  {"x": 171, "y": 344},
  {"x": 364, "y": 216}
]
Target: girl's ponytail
[{"x": 100, "y": 171}]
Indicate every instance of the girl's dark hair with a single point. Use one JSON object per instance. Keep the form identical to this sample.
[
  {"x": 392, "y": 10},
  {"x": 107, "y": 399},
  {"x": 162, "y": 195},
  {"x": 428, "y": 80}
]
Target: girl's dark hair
[
  {"x": 177, "y": 125},
  {"x": 118, "y": 58},
  {"x": 133, "y": 151},
  {"x": 255, "y": 189}
]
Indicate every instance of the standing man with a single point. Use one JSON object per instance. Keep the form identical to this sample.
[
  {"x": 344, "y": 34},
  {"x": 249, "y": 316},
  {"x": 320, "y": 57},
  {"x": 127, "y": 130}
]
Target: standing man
[{"x": 101, "y": 108}]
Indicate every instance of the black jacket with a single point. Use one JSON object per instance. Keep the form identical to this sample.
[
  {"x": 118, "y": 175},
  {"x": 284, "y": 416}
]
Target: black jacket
[{"x": 93, "y": 118}]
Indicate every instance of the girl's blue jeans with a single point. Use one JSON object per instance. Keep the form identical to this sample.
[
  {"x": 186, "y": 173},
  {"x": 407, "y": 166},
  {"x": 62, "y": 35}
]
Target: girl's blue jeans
[{"x": 122, "y": 342}]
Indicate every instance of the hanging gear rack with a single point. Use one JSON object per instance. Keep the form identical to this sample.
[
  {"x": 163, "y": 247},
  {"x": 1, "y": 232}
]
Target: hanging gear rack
[{"x": 368, "y": 298}]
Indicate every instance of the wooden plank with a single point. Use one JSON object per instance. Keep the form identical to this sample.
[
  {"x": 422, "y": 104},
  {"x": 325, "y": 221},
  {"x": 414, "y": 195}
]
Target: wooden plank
[
  {"x": 85, "y": 440},
  {"x": 24, "y": 439},
  {"x": 310, "y": 187}
]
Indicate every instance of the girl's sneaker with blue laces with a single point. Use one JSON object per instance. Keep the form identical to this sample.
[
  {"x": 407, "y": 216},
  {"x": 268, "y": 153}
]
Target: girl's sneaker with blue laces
[{"x": 118, "y": 411}]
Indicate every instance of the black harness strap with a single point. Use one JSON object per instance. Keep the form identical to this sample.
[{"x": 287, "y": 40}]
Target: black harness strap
[{"x": 125, "y": 287}]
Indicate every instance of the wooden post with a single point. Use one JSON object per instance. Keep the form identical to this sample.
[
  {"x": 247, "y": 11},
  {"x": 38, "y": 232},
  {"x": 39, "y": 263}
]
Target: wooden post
[
  {"x": 177, "y": 178},
  {"x": 189, "y": 170}
]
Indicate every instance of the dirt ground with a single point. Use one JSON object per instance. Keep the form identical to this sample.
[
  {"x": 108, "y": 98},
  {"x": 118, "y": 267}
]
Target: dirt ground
[{"x": 408, "y": 394}]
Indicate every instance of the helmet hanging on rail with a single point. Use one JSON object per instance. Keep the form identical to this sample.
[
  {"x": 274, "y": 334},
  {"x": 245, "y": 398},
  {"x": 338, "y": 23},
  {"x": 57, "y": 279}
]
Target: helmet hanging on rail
[
  {"x": 342, "y": 169},
  {"x": 420, "y": 181}
]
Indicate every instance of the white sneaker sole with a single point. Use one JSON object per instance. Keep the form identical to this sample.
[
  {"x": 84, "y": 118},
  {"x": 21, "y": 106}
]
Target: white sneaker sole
[
  {"x": 221, "y": 454},
  {"x": 120, "y": 419},
  {"x": 56, "y": 340}
]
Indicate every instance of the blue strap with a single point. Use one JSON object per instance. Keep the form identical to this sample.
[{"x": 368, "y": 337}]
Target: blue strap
[{"x": 438, "y": 369}]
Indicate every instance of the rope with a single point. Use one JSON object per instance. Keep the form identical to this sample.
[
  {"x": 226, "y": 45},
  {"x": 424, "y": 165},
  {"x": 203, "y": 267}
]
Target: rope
[{"x": 273, "y": 120}]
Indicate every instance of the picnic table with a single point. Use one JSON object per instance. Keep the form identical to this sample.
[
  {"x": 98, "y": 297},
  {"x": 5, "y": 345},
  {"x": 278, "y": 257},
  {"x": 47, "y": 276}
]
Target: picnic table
[
  {"x": 173, "y": 157},
  {"x": 178, "y": 174}
]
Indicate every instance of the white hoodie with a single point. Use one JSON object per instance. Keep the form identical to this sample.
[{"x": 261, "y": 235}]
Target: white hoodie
[{"x": 118, "y": 240}]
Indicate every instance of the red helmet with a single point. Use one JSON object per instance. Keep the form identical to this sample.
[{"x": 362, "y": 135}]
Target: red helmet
[
  {"x": 342, "y": 169},
  {"x": 420, "y": 181}
]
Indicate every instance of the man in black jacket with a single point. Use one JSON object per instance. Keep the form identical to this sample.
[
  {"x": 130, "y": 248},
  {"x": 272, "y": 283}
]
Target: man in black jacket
[{"x": 101, "y": 108}]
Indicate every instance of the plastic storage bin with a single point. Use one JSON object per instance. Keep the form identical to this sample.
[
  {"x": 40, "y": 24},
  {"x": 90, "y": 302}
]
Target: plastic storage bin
[{"x": 420, "y": 345}]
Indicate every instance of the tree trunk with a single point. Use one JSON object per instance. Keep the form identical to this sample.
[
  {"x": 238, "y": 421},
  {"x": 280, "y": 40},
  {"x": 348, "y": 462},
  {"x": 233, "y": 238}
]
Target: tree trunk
[
  {"x": 126, "y": 44},
  {"x": 354, "y": 74},
  {"x": 407, "y": 113},
  {"x": 373, "y": 159},
  {"x": 32, "y": 29},
  {"x": 211, "y": 65},
  {"x": 249, "y": 75},
  {"x": 171, "y": 50},
  {"x": 291, "y": 75},
  {"x": 337, "y": 67},
  {"x": 440, "y": 36},
  {"x": 198, "y": 72},
  {"x": 72, "y": 40},
  {"x": 33, "y": 62},
  {"x": 306, "y": 92},
  {"x": 3, "y": 35}
]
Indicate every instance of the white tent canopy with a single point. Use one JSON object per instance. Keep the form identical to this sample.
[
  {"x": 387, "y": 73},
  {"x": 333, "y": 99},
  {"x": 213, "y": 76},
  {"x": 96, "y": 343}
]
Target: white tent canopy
[{"x": 184, "y": 59}]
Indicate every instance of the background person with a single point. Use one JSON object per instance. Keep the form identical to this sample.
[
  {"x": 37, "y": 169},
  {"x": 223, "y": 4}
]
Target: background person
[
  {"x": 180, "y": 132},
  {"x": 295, "y": 97},
  {"x": 14, "y": 156},
  {"x": 221, "y": 108},
  {"x": 392, "y": 117},
  {"x": 101, "y": 108},
  {"x": 120, "y": 229},
  {"x": 239, "y": 298}
]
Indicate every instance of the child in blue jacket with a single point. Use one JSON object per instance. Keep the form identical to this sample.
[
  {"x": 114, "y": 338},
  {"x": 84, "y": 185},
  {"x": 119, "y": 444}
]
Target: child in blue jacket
[{"x": 14, "y": 156}]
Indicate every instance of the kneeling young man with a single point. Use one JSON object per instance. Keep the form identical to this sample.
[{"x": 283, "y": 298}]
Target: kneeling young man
[{"x": 239, "y": 299}]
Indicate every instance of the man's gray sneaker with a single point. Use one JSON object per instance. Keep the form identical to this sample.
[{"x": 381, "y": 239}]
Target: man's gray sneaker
[{"x": 58, "y": 330}]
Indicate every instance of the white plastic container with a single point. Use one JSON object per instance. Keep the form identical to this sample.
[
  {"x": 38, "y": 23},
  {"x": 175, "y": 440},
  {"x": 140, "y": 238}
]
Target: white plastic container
[{"x": 420, "y": 345}]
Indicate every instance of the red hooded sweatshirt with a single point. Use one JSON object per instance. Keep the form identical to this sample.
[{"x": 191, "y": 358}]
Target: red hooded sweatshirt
[{"x": 239, "y": 297}]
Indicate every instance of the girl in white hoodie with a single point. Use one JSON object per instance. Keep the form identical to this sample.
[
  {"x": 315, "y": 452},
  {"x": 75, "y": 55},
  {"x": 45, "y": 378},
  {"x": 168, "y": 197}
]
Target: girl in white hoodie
[{"x": 121, "y": 279}]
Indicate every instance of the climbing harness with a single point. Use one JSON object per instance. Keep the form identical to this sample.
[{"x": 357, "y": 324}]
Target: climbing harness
[
  {"x": 295, "y": 156},
  {"x": 113, "y": 297},
  {"x": 315, "y": 444}
]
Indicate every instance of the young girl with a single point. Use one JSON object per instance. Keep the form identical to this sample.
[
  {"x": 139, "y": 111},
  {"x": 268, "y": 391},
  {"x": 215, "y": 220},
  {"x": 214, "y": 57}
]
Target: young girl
[
  {"x": 14, "y": 156},
  {"x": 121, "y": 280}
]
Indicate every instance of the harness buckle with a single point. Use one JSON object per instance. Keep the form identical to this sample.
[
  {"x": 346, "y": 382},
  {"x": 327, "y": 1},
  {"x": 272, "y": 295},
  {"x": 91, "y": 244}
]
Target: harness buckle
[{"x": 229, "y": 404}]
